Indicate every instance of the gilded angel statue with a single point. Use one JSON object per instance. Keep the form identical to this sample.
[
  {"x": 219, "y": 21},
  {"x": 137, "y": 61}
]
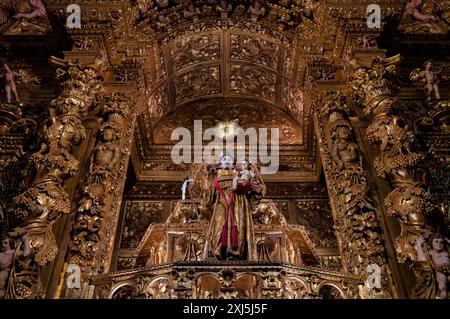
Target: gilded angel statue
[
  {"x": 435, "y": 253},
  {"x": 37, "y": 9},
  {"x": 430, "y": 79},
  {"x": 427, "y": 16},
  {"x": 412, "y": 8},
  {"x": 21, "y": 9},
  {"x": 26, "y": 17}
]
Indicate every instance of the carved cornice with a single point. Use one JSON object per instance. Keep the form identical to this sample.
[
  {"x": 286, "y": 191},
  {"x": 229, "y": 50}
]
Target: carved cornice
[{"x": 275, "y": 190}]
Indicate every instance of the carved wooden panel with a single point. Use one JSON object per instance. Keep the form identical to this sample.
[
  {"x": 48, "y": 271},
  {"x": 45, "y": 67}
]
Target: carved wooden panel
[
  {"x": 269, "y": 246},
  {"x": 331, "y": 262},
  {"x": 296, "y": 190},
  {"x": 160, "y": 66},
  {"x": 124, "y": 263},
  {"x": 249, "y": 114},
  {"x": 317, "y": 219},
  {"x": 196, "y": 49},
  {"x": 200, "y": 82},
  {"x": 283, "y": 208},
  {"x": 187, "y": 246},
  {"x": 155, "y": 191},
  {"x": 254, "y": 49},
  {"x": 159, "y": 103},
  {"x": 293, "y": 99},
  {"x": 248, "y": 80},
  {"x": 10, "y": 166},
  {"x": 138, "y": 216}
]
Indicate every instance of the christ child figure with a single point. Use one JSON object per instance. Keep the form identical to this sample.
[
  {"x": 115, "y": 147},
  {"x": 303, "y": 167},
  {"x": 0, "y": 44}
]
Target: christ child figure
[{"x": 242, "y": 180}]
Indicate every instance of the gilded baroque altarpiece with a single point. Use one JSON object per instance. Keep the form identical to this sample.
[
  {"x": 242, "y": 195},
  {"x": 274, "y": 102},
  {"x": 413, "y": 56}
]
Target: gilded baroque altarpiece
[{"x": 360, "y": 204}]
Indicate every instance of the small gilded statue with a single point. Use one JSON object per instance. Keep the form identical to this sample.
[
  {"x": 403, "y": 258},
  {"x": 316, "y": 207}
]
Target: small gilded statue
[
  {"x": 7, "y": 256},
  {"x": 24, "y": 17},
  {"x": 190, "y": 11},
  {"x": 257, "y": 10},
  {"x": 429, "y": 77},
  {"x": 10, "y": 85},
  {"x": 367, "y": 43},
  {"x": 426, "y": 16},
  {"x": 107, "y": 152},
  {"x": 345, "y": 151},
  {"x": 37, "y": 12},
  {"x": 412, "y": 8},
  {"x": 435, "y": 252}
]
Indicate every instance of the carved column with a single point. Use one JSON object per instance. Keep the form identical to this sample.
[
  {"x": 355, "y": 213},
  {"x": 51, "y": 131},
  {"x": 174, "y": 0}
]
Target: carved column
[
  {"x": 375, "y": 89},
  {"x": 357, "y": 228},
  {"x": 36, "y": 210},
  {"x": 94, "y": 228}
]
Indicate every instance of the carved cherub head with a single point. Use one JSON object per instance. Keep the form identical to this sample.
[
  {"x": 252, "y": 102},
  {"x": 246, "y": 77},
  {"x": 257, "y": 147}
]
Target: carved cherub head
[
  {"x": 341, "y": 130},
  {"x": 436, "y": 242},
  {"x": 7, "y": 244},
  {"x": 428, "y": 64},
  {"x": 109, "y": 133},
  {"x": 162, "y": 19},
  {"x": 6, "y": 67}
]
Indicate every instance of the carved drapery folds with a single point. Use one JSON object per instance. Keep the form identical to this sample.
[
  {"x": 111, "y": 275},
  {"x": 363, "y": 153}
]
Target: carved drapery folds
[
  {"x": 35, "y": 211},
  {"x": 355, "y": 217},
  {"x": 102, "y": 184},
  {"x": 410, "y": 202}
]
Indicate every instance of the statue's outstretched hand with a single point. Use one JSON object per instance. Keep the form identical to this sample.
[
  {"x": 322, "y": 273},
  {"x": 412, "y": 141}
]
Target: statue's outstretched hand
[{"x": 420, "y": 240}]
